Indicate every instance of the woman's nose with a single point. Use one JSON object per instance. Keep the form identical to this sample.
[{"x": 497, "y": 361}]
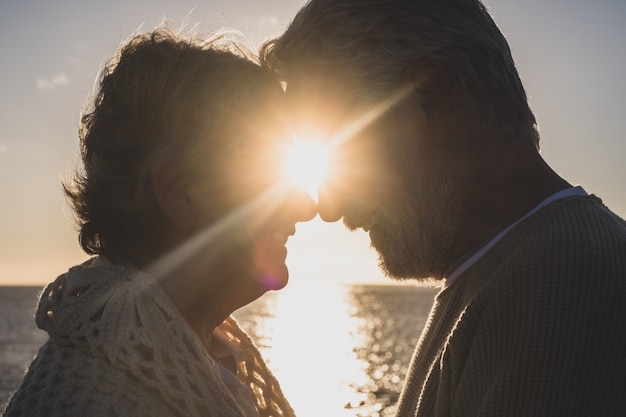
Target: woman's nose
[{"x": 300, "y": 206}]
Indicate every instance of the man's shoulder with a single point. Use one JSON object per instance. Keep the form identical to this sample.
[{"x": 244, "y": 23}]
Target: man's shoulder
[
  {"x": 582, "y": 214},
  {"x": 574, "y": 230},
  {"x": 573, "y": 249},
  {"x": 566, "y": 266}
]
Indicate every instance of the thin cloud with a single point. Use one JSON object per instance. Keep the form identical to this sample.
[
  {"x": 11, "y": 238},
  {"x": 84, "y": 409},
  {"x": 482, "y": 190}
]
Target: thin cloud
[
  {"x": 3, "y": 149},
  {"x": 80, "y": 49},
  {"x": 53, "y": 82}
]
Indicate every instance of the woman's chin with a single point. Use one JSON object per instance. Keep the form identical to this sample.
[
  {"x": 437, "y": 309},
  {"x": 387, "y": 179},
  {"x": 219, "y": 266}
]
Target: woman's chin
[
  {"x": 270, "y": 270},
  {"x": 275, "y": 280}
]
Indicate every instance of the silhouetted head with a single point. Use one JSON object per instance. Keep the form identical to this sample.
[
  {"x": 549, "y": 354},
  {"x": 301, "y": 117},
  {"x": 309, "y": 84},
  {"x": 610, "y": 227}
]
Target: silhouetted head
[
  {"x": 367, "y": 45},
  {"x": 435, "y": 94},
  {"x": 179, "y": 138}
]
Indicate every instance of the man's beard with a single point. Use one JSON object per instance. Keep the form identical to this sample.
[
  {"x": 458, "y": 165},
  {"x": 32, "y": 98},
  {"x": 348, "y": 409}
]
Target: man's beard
[{"x": 418, "y": 225}]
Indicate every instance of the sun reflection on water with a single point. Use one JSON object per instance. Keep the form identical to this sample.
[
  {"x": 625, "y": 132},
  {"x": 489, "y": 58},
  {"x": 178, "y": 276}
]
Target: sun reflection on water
[
  {"x": 339, "y": 350},
  {"x": 318, "y": 315}
]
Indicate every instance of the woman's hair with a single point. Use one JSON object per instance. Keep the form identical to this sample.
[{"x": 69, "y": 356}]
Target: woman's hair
[
  {"x": 367, "y": 44},
  {"x": 162, "y": 102}
]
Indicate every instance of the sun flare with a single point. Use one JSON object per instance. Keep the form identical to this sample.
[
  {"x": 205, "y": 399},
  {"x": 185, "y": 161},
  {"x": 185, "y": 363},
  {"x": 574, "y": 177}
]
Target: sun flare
[{"x": 306, "y": 164}]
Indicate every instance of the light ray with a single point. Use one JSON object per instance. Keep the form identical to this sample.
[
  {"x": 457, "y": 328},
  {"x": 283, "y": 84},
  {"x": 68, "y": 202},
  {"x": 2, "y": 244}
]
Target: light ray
[
  {"x": 369, "y": 117},
  {"x": 259, "y": 209},
  {"x": 215, "y": 236}
]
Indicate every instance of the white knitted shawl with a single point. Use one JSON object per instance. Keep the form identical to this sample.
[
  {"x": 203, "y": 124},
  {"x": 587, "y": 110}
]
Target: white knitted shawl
[{"x": 118, "y": 346}]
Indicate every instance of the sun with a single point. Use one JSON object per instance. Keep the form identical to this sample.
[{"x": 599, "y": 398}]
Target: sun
[{"x": 306, "y": 164}]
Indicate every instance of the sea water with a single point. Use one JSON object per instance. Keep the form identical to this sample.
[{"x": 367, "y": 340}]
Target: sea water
[{"x": 336, "y": 350}]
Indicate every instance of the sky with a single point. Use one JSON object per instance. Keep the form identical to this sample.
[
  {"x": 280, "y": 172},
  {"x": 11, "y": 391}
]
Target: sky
[{"x": 571, "y": 56}]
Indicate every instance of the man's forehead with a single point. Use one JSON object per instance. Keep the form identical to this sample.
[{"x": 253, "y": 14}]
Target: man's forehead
[
  {"x": 326, "y": 104},
  {"x": 303, "y": 90}
]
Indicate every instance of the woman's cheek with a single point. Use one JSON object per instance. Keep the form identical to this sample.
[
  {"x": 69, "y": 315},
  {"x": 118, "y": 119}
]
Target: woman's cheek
[{"x": 269, "y": 269}]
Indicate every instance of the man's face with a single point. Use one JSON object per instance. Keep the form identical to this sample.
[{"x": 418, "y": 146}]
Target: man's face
[{"x": 388, "y": 179}]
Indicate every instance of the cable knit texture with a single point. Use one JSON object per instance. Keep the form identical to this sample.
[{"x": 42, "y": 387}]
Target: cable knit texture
[
  {"x": 118, "y": 347},
  {"x": 535, "y": 328}
]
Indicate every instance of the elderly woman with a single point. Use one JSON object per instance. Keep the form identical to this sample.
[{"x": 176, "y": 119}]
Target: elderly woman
[{"x": 182, "y": 203}]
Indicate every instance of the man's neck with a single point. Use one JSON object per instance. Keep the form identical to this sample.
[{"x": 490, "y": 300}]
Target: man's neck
[{"x": 500, "y": 200}]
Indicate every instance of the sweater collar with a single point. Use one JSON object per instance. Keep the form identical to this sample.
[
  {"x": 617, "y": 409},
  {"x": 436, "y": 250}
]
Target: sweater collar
[{"x": 469, "y": 258}]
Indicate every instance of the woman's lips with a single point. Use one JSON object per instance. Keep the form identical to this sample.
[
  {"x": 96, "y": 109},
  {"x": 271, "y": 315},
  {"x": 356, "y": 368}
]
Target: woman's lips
[{"x": 280, "y": 236}]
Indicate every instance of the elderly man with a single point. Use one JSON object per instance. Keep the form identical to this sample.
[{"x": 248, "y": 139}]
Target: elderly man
[{"x": 438, "y": 160}]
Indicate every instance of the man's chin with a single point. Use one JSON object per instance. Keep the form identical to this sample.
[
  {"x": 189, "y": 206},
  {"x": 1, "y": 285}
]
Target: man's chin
[{"x": 400, "y": 270}]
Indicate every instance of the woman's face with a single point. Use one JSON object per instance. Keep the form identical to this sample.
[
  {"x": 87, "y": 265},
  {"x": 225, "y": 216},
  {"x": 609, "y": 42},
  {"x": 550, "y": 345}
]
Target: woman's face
[
  {"x": 270, "y": 206},
  {"x": 258, "y": 207}
]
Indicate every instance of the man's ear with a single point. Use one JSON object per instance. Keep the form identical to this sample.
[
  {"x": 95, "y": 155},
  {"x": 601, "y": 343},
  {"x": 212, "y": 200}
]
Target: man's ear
[
  {"x": 426, "y": 78},
  {"x": 174, "y": 200}
]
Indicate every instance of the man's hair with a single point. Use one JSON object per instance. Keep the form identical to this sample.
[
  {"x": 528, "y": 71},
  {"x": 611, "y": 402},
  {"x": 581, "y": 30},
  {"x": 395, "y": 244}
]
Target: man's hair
[
  {"x": 367, "y": 44},
  {"x": 163, "y": 102}
]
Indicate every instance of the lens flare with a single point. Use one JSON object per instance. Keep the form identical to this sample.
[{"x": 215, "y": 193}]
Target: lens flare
[{"x": 306, "y": 164}]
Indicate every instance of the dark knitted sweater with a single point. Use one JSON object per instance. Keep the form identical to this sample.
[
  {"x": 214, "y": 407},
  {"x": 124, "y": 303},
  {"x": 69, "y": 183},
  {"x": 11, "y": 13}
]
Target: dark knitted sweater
[{"x": 536, "y": 327}]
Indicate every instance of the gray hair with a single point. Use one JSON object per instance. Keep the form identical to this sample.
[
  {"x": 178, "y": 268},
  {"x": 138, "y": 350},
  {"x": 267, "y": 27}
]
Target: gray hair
[{"x": 367, "y": 44}]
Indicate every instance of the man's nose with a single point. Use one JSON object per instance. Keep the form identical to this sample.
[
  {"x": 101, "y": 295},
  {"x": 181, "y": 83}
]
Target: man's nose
[{"x": 328, "y": 202}]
